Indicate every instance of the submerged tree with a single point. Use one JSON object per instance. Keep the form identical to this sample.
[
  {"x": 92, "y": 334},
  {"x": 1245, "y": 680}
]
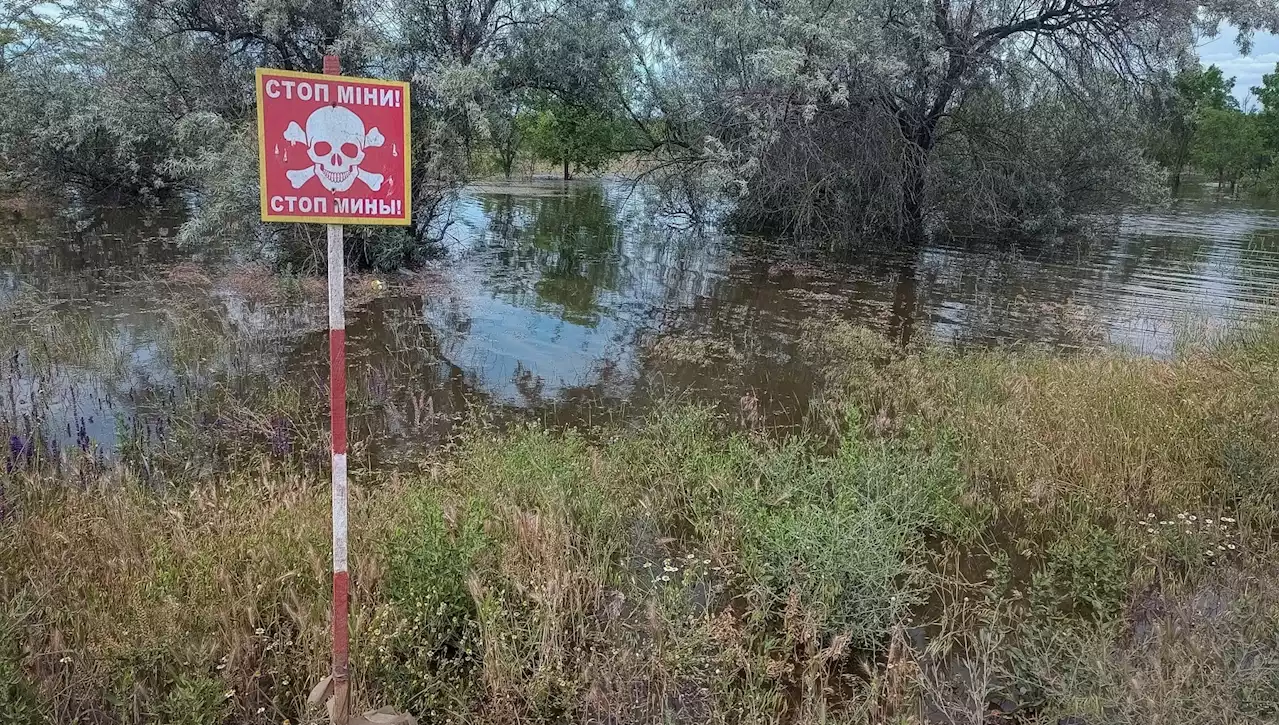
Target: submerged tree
[
  {"x": 575, "y": 137},
  {"x": 1226, "y": 144},
  {"x": 1177, "y": 109},
  {"x": 847, "y": 104},
  {"x": 141, "y": 97},
  {"x": 854, "y": 119}
]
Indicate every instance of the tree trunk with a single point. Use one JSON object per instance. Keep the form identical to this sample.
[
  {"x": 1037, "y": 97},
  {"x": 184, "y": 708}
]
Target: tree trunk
[
  {"x": 917, "y": 126},
  {"x": 565, "y": 161},
  {"x": 911, "y": 226}
]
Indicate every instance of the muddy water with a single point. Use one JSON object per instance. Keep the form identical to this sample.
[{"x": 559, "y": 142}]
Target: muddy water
[{"x": 571, "y": 302}]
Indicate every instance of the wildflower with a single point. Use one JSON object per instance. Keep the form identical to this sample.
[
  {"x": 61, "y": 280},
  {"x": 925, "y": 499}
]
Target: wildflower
[
  {"x": 261, "y": 710},
  {"x": 1151, "y": 531},
  {"x": 65, "y": 660},
  {"x": 1231, "y": 547},
  {"x": 1192, "y": 517},
  {"x": 1210, "y": 552},
  {"x": 665, "y": 578},
  {"x": 1221, "y": 547},
  {"x": 1151, "y": 515},
  {"x": 259, "y": 630},
  {"x": 688, "y": 556},
  {"x": 1228, "y": 519},
  {"x": 706, "y": 561},
  {"x": 1182, "y": 516},
  {"x": 221, "y": 666},
  {"x": 1208, "y": 521},
  {"x": 648, "y": 564}
]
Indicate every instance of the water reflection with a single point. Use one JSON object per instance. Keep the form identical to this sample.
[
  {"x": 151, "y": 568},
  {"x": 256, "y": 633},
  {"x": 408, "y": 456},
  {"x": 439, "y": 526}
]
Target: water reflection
[{"x": 563, "y": 300}]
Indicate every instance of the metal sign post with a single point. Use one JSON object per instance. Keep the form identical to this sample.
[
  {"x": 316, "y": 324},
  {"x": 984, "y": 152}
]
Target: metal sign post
[
  {"x": 338, "y": 446},
  {"x": 333, "y": 149}
]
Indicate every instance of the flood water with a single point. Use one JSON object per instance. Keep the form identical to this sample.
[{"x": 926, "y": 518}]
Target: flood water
[{"x": 573, "y": 302}]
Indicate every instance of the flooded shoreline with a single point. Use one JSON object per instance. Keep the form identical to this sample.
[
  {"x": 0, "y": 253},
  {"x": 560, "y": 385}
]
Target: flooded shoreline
[
  {"x": 573, "y": 303},
  {"x": 976, "y": 489}
]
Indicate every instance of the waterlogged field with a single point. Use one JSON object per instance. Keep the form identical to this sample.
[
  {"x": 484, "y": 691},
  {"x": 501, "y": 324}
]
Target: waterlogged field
[{"x": 601, "y": 477}]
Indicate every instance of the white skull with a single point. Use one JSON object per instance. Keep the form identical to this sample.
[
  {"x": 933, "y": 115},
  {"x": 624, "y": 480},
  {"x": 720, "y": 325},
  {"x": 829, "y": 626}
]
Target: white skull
[{"x": 335, "y": 142}]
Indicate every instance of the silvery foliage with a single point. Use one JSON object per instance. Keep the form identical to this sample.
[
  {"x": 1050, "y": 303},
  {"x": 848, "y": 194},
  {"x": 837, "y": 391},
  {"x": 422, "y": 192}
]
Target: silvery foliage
[
  {"x": 878, "y": 105},
  {"x": 145, "y": 96}
]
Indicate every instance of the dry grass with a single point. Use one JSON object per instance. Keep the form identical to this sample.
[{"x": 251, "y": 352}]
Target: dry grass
[
  {"x": 1044, "y": 429},
  {"x": 532, "y": 576},
  {"x": 124, "y": 594},
  {"x": 978, "y": 540}
]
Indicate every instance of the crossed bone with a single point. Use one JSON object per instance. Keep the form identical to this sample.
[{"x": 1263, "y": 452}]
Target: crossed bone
[{"x": 298, "y": 177}]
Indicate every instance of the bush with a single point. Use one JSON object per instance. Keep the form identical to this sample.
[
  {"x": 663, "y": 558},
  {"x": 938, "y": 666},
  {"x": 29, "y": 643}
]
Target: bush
[
  {"x": 423, "y": 644},
  {"x": 841, "y": 533}
]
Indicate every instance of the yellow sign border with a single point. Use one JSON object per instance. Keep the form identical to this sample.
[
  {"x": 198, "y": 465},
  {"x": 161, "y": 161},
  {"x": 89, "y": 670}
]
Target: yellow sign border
[{"x": 266, "y": 214}]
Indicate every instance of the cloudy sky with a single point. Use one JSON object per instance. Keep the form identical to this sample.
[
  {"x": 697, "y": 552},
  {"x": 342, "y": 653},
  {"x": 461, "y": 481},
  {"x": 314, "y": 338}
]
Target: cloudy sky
[{"x": 1222, "y": 52}]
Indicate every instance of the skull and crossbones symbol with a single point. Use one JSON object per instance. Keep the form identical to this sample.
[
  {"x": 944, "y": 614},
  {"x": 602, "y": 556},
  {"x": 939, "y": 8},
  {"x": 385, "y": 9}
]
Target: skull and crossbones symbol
[{"x": 336, "y": 142}]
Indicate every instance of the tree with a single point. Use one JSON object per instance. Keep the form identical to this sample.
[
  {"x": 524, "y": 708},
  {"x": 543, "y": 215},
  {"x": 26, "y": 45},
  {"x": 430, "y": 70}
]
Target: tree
[
  {"x": 507, "y": 125},
  {"x": 779, "y": 86},
  {"x": 1179, "y": 111},
  {"x": 1266, "y": 121},
  {"x": 140, "y": 97},
  {"x": 575, "y": 137},
  {"x": 1226, "y": 144}
]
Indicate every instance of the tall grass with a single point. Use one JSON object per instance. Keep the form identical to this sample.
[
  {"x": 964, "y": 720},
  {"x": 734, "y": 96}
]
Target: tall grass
[
  {"x": 675, "y": 569},
  {"x": 959, "y": 533},
  {"x": 1034, "y": 427}
]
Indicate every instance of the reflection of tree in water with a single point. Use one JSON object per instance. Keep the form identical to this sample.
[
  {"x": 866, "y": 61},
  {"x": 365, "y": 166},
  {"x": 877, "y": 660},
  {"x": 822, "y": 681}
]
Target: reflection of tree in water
[
  {"x": 50, "y": 252},
  {"x": 1124, "y": 287},
  {"x": 567, "y": 243}
]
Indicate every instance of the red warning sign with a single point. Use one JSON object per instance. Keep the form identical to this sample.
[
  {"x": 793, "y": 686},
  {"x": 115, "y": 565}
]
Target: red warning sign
[{"x": 332, "y": 149}]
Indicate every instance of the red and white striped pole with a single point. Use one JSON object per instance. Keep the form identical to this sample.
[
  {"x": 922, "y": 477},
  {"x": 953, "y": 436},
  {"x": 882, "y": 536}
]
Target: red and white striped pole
[{"x": 338, "y": 445}]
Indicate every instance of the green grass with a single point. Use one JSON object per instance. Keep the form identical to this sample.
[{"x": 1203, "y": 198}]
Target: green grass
[
  {"x": 673, "y": 567},
  {"x": 957, "y": 531}
]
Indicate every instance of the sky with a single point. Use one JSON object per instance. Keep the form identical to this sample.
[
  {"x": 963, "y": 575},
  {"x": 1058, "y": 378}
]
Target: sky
[{"x": 1222, "y": 52}]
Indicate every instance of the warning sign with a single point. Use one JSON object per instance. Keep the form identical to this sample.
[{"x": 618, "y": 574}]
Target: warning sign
[{"x": 332, "y": 149}]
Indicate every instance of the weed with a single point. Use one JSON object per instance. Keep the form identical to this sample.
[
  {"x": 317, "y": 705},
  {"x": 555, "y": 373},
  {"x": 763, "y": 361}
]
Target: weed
[
  {"x": 19, "y": 704},
  {"x": 1085, "y": 571},
  {"x": 194, "y": 700},
  {"x": 679, "y": 571},
  {"x": 1042, "y": 431}
]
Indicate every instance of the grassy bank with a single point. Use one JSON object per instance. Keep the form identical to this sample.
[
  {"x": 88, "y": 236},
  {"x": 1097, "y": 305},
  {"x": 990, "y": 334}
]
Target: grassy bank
[{"x": 960, "y": 537}]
